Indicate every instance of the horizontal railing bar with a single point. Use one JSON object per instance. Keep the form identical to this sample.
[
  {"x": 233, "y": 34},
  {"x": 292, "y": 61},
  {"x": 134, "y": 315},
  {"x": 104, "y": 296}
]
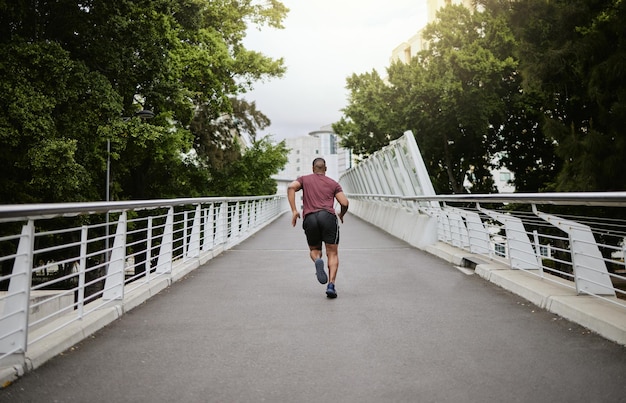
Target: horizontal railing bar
[
  {"x": 14, "y": 212},
  {"x": 617, "y": 199}
]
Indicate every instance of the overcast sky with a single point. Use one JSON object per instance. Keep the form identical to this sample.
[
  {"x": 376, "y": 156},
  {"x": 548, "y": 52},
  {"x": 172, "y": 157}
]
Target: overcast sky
[{"x": 323, "y": 43}]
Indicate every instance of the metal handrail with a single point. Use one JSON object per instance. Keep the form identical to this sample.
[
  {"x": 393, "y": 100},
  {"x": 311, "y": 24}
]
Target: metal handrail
[
  {"x": 613, "y": 199},
  {"x": 15, "y": 212}
]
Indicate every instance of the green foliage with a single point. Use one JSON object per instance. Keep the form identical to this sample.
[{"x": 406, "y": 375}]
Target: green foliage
[
  {"x": 51, "y": 108},
  {"x": 73, "y": 73},
  {"x": 368, "y": 119},
  {"x": 251, "y": 174},
  {"x": 447, "y": 96},
  {"x": 534, "y": 86},
  {"x": 574, "y": 54},
  {"x": 54, "y": 170}
]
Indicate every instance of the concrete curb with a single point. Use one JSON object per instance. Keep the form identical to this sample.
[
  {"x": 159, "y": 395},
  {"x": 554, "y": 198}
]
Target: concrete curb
[
  {"x": 600, "y": 316},
  {"x": 554, "y": 294},
  {"x": 54, "y": 344}
]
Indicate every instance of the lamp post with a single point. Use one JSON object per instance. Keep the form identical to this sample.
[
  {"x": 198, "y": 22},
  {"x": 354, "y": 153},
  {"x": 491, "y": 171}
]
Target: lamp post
[{"x": 143, "y": 114}]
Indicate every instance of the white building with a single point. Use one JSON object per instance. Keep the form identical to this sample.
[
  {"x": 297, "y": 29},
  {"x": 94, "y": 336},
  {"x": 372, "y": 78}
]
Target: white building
[
  {"x": 405, "y": 51},
  {"x": 502, "y": 178},
  {"x": 304, "y": 149}
]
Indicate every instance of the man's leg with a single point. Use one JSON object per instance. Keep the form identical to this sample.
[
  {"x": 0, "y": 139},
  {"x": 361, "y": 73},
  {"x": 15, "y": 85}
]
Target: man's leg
[
  {"x": 333, "y": 261},
  {"x": 315, "y": 252},
  {"x": 313, "y": 236},
  {"x": 314, "y": 239},
  {"x": 316, "y": 255},
  {"x": 333, "y": 266}
]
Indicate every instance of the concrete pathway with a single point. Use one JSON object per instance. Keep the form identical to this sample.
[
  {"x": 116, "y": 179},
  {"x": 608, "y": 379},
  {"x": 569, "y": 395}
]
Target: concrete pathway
[{"x": 254, "y": 325}]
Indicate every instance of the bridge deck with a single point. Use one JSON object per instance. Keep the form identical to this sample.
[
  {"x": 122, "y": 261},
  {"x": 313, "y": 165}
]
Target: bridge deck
[{"x": 254, "y": 325}]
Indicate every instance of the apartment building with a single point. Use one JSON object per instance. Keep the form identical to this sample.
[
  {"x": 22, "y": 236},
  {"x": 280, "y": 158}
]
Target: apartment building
[
  {"x": 408, "y": 49},
  {"x": 304, "y": 149}
]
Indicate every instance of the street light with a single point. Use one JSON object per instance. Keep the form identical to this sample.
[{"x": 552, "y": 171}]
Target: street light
[{"x": 143, "y": 114}]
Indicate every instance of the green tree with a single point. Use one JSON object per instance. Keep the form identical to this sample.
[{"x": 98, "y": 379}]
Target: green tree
[
  {"x": 465, "y": 66},
  {"x": 251, "y": 174},
  {"x": 464, "y": 99},
  {"x": 72, "y": 70},
  {"x": 572, "y": 53},
  {"x": 369, "y": 120},
  {"x": 518, "y": 139},
  {"x": 51, "y": 106},
  {"x": 516, "y": 136},
  {"x": 448, "y": 96}
]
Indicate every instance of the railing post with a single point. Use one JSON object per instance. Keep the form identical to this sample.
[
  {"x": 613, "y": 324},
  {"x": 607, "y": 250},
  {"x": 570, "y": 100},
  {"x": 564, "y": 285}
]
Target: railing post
[
  {"x": 590, "y": 273},
  {"x": 445, "y": 227},
  {"x": 193, "y": 248},
  {"x": 538, "y": 251},
  {"x": 208, "y": 229},
  {"x": 253, "y": 213},
  {"x": 204, "y": 241},
  {"x": 222, "y": 224},
  {"x": 14, "y": 321},
  {"x": 164, "y": 262},
  {"x": 185, "y": 234},
  {"x": 521, "y": 253},
  {"x": 236, "y": 222},
  {"x": 477, "y": 235},
  {"x": 149, "y": 249},
  {"x": 114, "y": 284},
  {"x": 246, "y": 217},
  {"x": 82, "y": 268},
  {"x": 458, "y": 231},
  {"x": 260, "y": 209}
]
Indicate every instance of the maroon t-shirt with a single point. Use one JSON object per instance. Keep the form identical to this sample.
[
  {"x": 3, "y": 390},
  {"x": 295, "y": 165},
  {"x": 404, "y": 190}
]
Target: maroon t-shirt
[{"x": 318, "y": 193}]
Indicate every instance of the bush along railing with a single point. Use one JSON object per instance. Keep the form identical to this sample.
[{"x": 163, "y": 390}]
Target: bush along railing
[
  {"x": 575, "y": 239},
  {"x": 63, "y": 262}
]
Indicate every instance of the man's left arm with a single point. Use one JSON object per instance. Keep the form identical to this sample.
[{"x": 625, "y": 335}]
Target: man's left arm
[{"x": 291, "y": 196}]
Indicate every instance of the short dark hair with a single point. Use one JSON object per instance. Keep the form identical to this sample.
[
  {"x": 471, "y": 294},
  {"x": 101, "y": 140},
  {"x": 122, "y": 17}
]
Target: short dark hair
[{"x": 319, "y": 159}]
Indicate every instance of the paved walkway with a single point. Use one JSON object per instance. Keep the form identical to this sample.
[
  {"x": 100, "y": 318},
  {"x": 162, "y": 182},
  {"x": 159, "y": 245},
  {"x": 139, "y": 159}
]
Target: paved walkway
[{"x": 254, "y": 325}]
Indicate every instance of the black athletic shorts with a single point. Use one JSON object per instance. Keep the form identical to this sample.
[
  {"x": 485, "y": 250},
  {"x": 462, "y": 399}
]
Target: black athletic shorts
[{"x": 321, "y": 226}]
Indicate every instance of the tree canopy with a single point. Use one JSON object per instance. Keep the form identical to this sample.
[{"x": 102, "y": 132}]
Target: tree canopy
[
  {"x": 75, "y": 74},
  {"x": 534, "y": 86}
]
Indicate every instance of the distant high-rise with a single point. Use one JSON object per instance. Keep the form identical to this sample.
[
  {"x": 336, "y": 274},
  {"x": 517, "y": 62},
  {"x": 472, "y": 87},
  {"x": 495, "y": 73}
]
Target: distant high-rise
[
  {"x": 435, "y": 5},
  {"x": 304, "y": 149},
  {"x": 405, "y": 51}
]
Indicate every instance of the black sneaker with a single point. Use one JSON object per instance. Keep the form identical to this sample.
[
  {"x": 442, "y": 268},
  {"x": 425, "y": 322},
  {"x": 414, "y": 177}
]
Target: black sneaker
[
  {"x": 330, "y": 291},
  {"x": 320, "y": 272}
]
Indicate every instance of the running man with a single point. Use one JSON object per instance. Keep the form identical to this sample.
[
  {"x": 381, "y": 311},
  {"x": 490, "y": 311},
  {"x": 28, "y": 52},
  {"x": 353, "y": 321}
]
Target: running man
[{"x": 320, "y": 219}]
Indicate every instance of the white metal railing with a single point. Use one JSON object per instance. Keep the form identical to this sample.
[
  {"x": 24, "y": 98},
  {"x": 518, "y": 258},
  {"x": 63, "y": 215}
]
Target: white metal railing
[
  {"x": 575, "y": 239},
  {"x": 62, "y": 262},
  {"x": 397, "y": 169}
]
